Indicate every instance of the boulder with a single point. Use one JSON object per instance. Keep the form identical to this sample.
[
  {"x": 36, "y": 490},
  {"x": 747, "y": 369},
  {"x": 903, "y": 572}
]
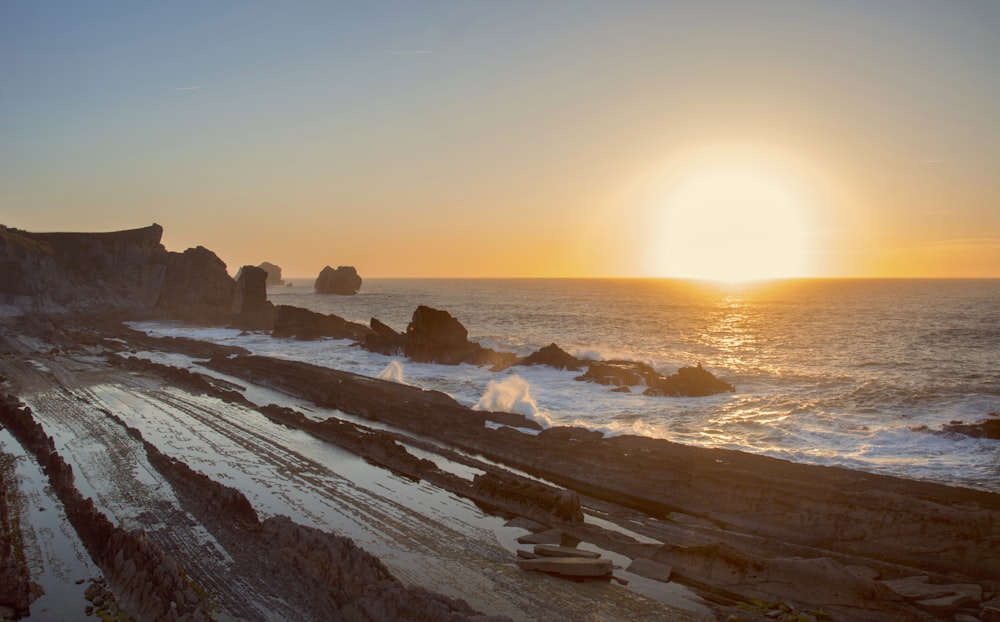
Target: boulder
[
  {"x": 343, "y": 281},
  {"x": 553, "y": 356},
  {"x": 435, "y": 336}
]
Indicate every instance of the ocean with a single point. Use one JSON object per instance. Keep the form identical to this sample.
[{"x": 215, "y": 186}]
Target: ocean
[{"x": 855, "y": 373}]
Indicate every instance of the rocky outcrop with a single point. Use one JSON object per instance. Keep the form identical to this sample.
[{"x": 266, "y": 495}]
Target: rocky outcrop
[
  {"x": 300, "y": 323},
  {"x": 343, "y": 281},
  {"x": 116, "y": 271},
  {"x": 553, "y": 356},
  {"x": 197, "y": 287},
  {"x": 687, "y": 381},
  {"x": 81, "y": 271},
  {"x": 251, "y": 308}
]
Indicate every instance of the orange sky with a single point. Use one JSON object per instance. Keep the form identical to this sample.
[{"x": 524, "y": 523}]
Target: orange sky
[{"x": 516, "y": 138}]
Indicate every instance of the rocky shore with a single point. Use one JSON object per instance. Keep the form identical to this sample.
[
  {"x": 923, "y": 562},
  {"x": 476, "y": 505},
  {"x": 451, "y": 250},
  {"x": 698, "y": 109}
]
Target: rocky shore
[{"x": 208, "y": 483}]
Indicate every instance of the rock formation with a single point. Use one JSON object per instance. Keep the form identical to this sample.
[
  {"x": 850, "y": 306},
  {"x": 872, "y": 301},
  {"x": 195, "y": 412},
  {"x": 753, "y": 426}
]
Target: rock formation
[
  {"x": 197, "y": 287},
  {"x": 81, "y": 271},
  {"x": 117, "y": 271},
  {"x": 251, "y": 308},
  {"x": 688, "y": 381},
  {"x": 553, "y": 356},
  {"x": 987, "y": 428},
  {"x": 343, "y": 281},
  {"x": 273, "y": 273}
]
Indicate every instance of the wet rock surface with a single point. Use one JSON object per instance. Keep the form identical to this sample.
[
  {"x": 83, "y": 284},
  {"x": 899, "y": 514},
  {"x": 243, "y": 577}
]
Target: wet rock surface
[
  {"x": 754, "y": 536},
  {"x": 299, "y": 323}
]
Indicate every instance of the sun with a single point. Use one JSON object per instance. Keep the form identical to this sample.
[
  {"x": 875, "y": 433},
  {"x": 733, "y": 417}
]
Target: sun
[{"x": 730, "y": 223}]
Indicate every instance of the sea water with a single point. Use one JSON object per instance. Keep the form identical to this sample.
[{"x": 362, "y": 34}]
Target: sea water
[{"x": 857, "y": 373}]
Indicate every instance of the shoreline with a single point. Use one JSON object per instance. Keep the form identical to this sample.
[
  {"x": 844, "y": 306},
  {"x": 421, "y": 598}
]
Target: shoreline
[{"x": 741, "y": 532}]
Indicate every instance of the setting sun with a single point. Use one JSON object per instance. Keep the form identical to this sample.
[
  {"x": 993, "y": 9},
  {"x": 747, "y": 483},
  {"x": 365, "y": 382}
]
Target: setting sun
[{"x": 730, "y": 224}]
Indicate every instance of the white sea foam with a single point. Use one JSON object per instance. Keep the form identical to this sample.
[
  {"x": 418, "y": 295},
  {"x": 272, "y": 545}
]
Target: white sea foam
[
  {"x": 393, "y": 372},
  {"x": 512, "y": 394}
]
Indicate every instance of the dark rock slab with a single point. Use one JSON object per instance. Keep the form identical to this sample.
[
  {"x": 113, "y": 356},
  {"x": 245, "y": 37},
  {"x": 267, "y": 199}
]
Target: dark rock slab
[{"x": 304, "y": 324}]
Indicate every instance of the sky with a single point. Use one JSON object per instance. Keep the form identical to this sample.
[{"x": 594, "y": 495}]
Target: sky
[{"x": 515, "y": 139}]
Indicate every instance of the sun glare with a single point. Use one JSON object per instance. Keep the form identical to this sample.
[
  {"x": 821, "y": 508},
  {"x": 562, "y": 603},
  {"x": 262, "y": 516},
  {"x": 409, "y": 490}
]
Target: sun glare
[{"x": 730, "y": 224}]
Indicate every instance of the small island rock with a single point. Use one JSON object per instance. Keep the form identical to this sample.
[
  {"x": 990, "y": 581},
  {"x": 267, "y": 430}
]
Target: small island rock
[{"x": 343, "y": 281}]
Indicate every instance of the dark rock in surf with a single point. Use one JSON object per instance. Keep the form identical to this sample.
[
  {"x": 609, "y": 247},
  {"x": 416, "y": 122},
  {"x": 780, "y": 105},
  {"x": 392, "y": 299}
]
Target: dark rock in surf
[
  {"x": 987, "y": 428},
  {"x": 619, "y": 373},
  {"x": 251, "y": 307},
  {"x": 689, "y": 382},
  {"x": 434, "y": 336},
  {"x": 343, "y": 281},
  {"x": 384, "y": 340},
  {"x": 305, "y": 324},
  {"x": 553, "y": 356}
]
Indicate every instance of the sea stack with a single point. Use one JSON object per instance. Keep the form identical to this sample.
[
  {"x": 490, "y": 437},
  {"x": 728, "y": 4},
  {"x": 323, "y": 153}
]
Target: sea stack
[{"x": 343, "y": 281}]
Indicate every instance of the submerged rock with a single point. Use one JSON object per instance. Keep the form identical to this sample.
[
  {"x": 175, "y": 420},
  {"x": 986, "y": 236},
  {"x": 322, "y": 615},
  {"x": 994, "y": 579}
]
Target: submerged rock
[{"x": 344, "y": 281}]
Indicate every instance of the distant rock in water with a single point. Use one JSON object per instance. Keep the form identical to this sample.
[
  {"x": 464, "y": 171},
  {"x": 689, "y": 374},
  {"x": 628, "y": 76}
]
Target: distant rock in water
[
  {"x": 272, "y": 271},
  {"x": 343, "y": 281},
  {"x": 251, "y": 308}
]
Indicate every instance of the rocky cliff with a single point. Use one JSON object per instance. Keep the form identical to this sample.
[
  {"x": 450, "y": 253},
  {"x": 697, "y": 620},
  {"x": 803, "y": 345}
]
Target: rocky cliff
[{"x": 118, "y": 271}]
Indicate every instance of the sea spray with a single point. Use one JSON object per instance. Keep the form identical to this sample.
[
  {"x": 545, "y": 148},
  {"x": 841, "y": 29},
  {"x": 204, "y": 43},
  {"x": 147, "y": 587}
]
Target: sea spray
[
  {"x": 393, "y": 372},
  {"x": 512, "y": 394}
]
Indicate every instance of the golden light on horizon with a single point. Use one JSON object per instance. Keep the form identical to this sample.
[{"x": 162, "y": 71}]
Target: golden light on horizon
[{"x": 730, "y": 222}]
